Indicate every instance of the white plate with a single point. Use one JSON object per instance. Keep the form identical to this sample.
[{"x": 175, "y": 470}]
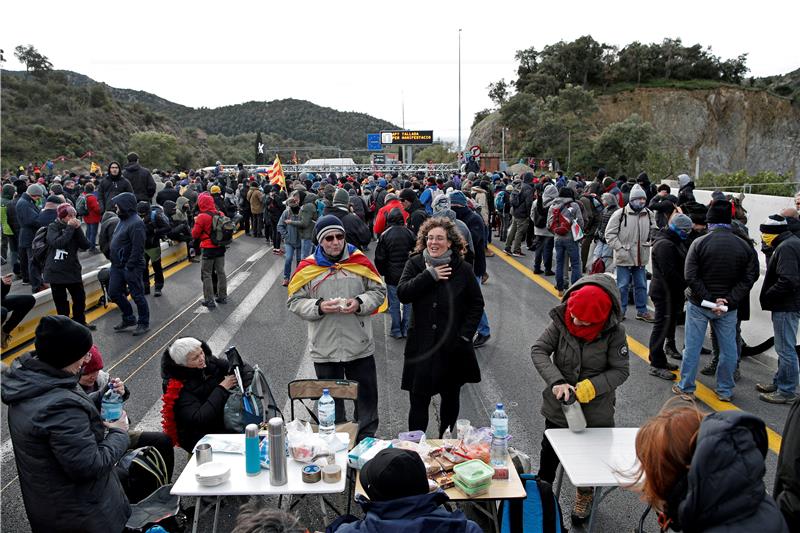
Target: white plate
[{"x": 210, "y": 474}]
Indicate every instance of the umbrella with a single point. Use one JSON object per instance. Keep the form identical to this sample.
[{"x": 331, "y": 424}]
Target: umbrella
[{"x": 519, "y": 168}]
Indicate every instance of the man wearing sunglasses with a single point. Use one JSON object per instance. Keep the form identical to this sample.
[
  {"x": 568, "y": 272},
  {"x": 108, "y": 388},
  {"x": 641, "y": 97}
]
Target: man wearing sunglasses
[{"x": 336, "y": 290}]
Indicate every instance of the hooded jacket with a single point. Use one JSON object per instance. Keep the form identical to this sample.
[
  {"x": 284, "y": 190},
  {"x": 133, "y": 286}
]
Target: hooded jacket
[
  {"x": 394, "y": 246},
  {"x": 669, "y": 258},
  {"x": 108, "y": 225},
  {"x": 476, "y": 230},
  {"x": 167, "y": 194},
  {"x": 9, "y": 211},
  {"x": 628, "y": 233},
  {"x": 255, "y": 199},
  {"x": 522, "y": 209},
  {"x": 540, "y": 208},
  {"x": 202, "y": 223},
  {"x": 787, "y": 484},
  {"x": 781, "y": 288},
  {"x": 142, "y": 182},
  {"x": 62, "y": 265},
  {"x": 560, "y": 357},
  {"x": 380, "y": 218},
  {"x": 127, "y": 243},
  {"x": 110, "y": 187},
  {"x": 571, "y": 209},
  {"x": 65, "y": 459},
  {"x": 724, "y": 489},
  {"x": 308, "y": 215},
  {"x": 289, "y": 232},
  {"x": 424, "y": 512},
  {"x": 28, "y": 217}
]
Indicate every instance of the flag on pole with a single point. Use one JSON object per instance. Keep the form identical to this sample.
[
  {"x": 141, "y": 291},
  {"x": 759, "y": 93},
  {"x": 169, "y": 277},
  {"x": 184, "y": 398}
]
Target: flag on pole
[
  {"x": 94, "y": 167},
  {"x": 276, "y": 176}
]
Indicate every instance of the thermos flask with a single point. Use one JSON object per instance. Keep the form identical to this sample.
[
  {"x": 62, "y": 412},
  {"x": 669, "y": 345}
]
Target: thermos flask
[
  {"x": 251, "y": 454},
  {"x": 277, "y": 452}
]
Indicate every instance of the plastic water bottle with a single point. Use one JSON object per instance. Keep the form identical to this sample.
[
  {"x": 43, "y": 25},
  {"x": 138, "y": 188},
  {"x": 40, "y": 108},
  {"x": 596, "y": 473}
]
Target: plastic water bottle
[
  {"x": 111, "y": 405},
  {"x": 326, "y": 414},
  {"x": 573, "y": 413},
  {"x": 499, "y": 422},
  {"x": 499, "y": 450}
]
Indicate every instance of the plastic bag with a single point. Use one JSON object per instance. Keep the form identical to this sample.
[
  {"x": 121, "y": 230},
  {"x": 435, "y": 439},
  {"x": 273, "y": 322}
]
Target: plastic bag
[{"x": 305, "y": 445}]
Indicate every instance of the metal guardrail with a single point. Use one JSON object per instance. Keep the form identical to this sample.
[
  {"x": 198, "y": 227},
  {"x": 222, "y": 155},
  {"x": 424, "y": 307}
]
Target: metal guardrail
[{"x": 435, "y": 168}]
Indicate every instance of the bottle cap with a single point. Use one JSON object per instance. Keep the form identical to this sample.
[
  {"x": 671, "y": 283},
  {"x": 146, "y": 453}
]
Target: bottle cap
[
  {"x": 275, "y": 426},
  {"x": 251, "y": 431},
  {"x": 325, "y": 391},
  {"x": 499, "y": 407}
]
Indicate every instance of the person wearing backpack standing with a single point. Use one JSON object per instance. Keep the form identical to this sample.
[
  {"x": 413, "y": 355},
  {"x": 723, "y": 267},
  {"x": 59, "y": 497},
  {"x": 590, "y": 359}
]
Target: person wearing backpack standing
[
  {"x": 563, "y": 213},
  {"x": 543, "y": 254},
  {"x": 156, "y": 225},
  {"x": 521, "y": 202},
  {"x": 28, "y": 217},
  {"x": 213, "y": 261},
  {"x": 88, "y": 208}
]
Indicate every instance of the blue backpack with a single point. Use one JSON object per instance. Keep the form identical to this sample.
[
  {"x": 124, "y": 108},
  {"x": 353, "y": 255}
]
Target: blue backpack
[
  {"x": 538, "y": 512},
  {"x": 500, "y": 201}
]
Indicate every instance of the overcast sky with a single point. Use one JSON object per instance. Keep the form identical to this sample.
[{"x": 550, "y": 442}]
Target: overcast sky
[{"x": 368, "y": 56}]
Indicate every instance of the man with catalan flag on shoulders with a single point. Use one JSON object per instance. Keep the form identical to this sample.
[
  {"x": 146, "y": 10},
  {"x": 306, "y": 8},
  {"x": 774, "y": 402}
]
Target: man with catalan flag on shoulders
[{"x": 336, "y": 290}]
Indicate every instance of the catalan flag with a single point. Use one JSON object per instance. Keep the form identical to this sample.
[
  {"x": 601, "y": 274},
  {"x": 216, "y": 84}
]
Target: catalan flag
[{"x": 276, "y": 176}]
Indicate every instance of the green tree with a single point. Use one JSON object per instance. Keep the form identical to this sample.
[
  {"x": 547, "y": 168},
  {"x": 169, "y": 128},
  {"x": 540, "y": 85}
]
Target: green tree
[
  {"x": 98, "y": 97},
  {"x": 155, "y": 149},
  {"x": 622, "y": 147},
  {"x": 440, "y": 152},
  {"x": 33, "y": 60},
  {"x": 498, "y": 92}
]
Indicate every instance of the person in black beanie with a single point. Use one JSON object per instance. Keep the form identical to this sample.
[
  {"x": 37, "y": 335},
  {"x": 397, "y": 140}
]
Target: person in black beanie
[
  {"x": 398, "y": 499},
  {"x": 65, "y": 453}
]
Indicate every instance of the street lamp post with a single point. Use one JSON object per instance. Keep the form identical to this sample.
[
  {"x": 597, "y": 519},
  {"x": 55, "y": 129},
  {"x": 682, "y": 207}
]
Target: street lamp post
[{"x": 459, "y": 90}]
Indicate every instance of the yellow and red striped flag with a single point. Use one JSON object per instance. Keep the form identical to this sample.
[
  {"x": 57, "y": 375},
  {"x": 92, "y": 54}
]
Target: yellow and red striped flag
[{"x": 276, "y": 176}]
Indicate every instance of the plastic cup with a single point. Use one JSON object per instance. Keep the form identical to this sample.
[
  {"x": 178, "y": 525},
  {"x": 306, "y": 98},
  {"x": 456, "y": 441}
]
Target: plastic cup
[{"x": 462, "y": 426}]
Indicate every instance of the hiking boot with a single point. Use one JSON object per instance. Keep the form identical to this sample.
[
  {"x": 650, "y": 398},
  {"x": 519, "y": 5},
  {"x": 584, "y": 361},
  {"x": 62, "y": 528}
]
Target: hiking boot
[
  {"x": 208, "y": 303},
  {"x": 710, "y": 369},
  {"x": 480, "y": 340},
  {"x": 194, "y": 260},
  {"x": 669, "y": 366},
  {"x": 647, "y": 316},
  {"x": 549, "y": 273},
  {"x": 560, "y": 293},
  {"x": 672, "y": 352},
  {"x": 156, "y": 293},
  {"x": 222, "y": 301},
  {"x": 5, "y": 338},
  {"x": 776, "y": 397},
  {"x": 766, "y": 388},
  {"x": 583, "y": 506},
  {"x": 688, "y": 396},
  {"x": 662, "y": 373},
  {"x": 141, "y": 329},
  {"x": 122, "y": 326},
  {"x": 538, "y": 271}
]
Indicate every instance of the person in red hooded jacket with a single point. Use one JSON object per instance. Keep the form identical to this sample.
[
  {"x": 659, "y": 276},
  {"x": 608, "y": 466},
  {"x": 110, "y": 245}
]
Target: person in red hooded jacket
[
  {"x": 391, "y": 202},
  {"x": 213, "y": 263}
]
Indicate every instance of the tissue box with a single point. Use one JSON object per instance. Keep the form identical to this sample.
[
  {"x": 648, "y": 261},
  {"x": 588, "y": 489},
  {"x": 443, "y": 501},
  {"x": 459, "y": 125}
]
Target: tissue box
[{"x": 366, "y": 450}]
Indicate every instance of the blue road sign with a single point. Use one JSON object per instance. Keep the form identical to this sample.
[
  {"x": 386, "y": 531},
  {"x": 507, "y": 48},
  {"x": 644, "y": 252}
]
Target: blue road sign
[{"x": 374, "y": 142}]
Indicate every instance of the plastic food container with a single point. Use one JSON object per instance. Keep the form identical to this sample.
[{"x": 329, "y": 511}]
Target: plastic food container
[
  {"x": 473, "y": 474},
  {"x": 472, "y": 491}
]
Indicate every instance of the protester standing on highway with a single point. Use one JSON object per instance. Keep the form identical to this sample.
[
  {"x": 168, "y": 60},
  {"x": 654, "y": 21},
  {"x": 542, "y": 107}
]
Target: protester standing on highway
[
  {"x": 358, "y": 234},
  {"x": 168, "y": 193},
  {"x": 92, "y": 216},
  {"x": 543, "y": 237},
  {"x": 780, "y": 294},
  {"x": 583, "y": 352},
  {"x": 10, "y": 226},
  {"x": 213, "y": 261},
  {"x": 28, "y": 217},
  {"x": 447, "y": 306},
  {"x": 391, "y": 202},
  {"x": 521, "y": 199},
  {"x": 562, "y": 214},
  {"x": 305, "y": 223},
  {"x": 127, "y": 265},
  {"x": 336, "y": 291},
  {"x": 721, "y": 268},
  {"x": 65, "y": 453},
  {"x": 290, "y": 236},
  {"x": 112, "y": 184},
  {"x": 142, "y": 182},
  {"x": 156, "y": 226},
  {"x": 417, "y": 213},
  {"x": 62, "y": 268},
  {"x": 255, "y": 199},
  {"x": 391, "y": 254}
]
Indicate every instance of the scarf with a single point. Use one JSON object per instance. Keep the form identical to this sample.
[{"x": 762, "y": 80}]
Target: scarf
[
  {"x": 590, "y": 304},
  {"x": 443, "y": 259},
  {"x": 168, "y": 410}
]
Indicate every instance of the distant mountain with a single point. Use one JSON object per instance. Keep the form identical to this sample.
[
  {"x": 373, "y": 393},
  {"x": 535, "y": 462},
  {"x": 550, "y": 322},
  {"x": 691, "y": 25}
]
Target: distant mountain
[{"x": 68, "y": 113}]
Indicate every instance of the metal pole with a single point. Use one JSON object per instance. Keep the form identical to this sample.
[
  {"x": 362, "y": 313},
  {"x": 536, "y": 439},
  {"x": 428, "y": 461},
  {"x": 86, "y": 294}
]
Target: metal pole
[
  {"x": 459, "y": 90},
  {"x": 502, "y": 144}
]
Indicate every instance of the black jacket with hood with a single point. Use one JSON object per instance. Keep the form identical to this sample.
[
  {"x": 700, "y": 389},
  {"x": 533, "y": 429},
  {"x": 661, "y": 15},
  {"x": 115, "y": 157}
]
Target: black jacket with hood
[
  {"x": 62, "y": 265},
  {"x": 64, "y": 457},
  {"x": 668, "y": 256},
  {"x": 108, "y": 224},
  {"x": 109, "y": 187},
  {"x": 781, "y": 288},
  {"x": 356, "y": 231},
  {"x": 127, "y": 243},
  {"x": 144, "y": 186},
  {"x": 394, "y": 246}
]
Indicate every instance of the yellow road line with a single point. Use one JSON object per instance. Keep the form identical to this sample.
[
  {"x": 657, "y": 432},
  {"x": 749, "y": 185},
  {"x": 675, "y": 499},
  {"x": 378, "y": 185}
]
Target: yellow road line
[{"x": 703, "y": 393}]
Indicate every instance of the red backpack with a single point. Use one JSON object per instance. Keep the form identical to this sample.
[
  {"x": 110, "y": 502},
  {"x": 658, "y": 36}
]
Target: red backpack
[{"x": 560, "y": 225}]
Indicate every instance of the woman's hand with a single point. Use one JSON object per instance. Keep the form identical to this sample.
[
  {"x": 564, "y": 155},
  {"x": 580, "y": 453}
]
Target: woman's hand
[
  {"x": 443, "y": 272},
  {"x": 562, "y": 391},
  {"x": 228, "y": 383},
  {"x": 118, "y": 386},
  {"x": 121, "y": 423}
]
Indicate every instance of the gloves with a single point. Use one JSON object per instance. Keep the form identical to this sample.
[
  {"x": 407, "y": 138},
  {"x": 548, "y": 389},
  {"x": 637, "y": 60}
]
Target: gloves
[{"x": 584, "y": 391}]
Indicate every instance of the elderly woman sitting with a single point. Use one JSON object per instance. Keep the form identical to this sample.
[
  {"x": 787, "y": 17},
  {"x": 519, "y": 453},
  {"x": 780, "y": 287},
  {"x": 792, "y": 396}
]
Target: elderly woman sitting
[{"x": 196, "y": 387}]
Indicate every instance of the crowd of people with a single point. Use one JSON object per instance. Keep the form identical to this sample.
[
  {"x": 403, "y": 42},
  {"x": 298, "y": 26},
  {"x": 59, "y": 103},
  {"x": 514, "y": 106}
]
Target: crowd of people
[{"x": 607, "y": 237}]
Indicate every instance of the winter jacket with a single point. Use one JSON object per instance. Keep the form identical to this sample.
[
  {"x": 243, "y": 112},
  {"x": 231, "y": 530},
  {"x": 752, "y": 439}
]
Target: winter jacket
[
  {"x": 289, "y": 233},
  {"x": 539, "y": 210},
  {"x": 202, "y": 226},
  {"x": 167, "y": 193},
  {"x": 427, "y": 197},
  {"x": 110, "y": 187},
  {"x": 787, "y": 483},
  {"x": 338, "y": 337},
  {"x": 569, "y": 209},
  {"x": 28, "y": 217},
  {"x": 93, "y": 206},
  {"x": 380, "y": 218},
  {"x": 108, "y": 225},
  {"x": 439, "y": 355},
  {"x": 590, "y": 212},
  {"x": 559, "y": 357},
  {"x": 156, "y": 226},
  {"x": 668, "y": 258},
  {"x": 476, "y": 230},
  {"x": 724, "y": 490},
  {"x": 781, "y": 288},
  {"x": 127, "y": 243},
  {"x": 256, "y": 200},
  {"x": 720, "y": 265},
  {"x": 64, "y": 454},
  {"x": 628, "y": 234},
  {"x": 481, "y": 198},
  {"x": 356, "y": 231},
  {"x": 275, "y": 206},
  {"x": 9, "y": 216},
  {"x": 144, "y": 186},
  {"x": 522, "y": 209},
  {"x": 62, "y": 265},
  {"x": 417, "y": 215},
  {"x": 308, "y": 216},
  {"x": 412, "y": 514},
  {"x": 394, "y": 246}
]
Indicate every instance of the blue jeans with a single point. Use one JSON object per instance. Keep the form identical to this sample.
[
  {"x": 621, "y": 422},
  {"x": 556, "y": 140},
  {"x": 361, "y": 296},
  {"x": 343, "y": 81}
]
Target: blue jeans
[
  {"x": 626, "y": 274},
  {"x": 399, "y": 323},
  {"x": 307, "y": 246},
  {"x": 132, "y": 279},
  {"x": 290, "y": 250},
  {"x": 567, "y": 246},
  {"x": 483, "y": 325},
  {"x": 784, "y": 325},
  {"x": 91, "y": 235},
  {"x": 724, "y": 326}
]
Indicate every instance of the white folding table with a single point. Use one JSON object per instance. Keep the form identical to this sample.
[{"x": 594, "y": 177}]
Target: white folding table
[
  {"x": 240, "y": 484},
  {"x": 597, "y": 457}
]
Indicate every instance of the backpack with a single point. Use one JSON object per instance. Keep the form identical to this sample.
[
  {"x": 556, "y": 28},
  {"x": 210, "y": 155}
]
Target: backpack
[
  {"x": 516, "y": 198},
  {"x": 598, "y": 267},
  {"x": 81, "y": 207},
  {"x": 142, "y": 471},
  {"x": 39, "y": 247},
  {"x": 255, "y": 406},
  {"x": 538, "y": 512},
  {"x": 500, "y": 201},
  {"x": 436, "y": 193},
  {"x": 222, "y": 229},
  {"x": 560, "y": 225}
]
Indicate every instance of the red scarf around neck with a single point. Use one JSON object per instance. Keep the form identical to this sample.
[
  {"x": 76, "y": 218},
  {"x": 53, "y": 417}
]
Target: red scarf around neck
[{"x": 590, "y": 304}]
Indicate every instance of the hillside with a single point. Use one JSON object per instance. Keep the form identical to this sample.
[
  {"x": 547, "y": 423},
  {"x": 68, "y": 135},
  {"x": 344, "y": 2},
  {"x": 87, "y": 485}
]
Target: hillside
[{"x": 69, "y": 114}]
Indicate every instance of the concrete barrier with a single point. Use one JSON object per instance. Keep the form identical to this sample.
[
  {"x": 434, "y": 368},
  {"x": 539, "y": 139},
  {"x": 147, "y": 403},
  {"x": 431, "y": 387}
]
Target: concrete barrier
[{"x": 170, "y": 255}]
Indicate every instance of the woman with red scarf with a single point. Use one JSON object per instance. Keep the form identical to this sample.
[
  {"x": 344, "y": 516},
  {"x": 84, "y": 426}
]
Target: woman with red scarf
[{"x": 584, "y": 352}]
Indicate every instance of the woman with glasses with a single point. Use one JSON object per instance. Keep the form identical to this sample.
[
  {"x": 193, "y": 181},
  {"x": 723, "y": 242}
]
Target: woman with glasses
[{"x": 447, "y": 306}]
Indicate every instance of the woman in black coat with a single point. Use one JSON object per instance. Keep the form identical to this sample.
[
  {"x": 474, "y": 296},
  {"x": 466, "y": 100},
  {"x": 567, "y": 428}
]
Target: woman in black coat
[{"x": 447, "y": 306}]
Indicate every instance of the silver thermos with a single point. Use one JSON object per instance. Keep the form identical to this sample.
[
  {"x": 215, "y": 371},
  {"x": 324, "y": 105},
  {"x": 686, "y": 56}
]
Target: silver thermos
[
  {"x": 277, "y": 452},
  {"x": 573, "y": 413}
]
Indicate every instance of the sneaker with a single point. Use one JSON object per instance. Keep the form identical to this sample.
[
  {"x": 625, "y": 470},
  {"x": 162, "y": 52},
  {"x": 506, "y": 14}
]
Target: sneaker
[
  {"x": 489, "y": 253},
  {"x": 285, "y": 283},
  {"x": 26, "y": 282},
  {"x": 549, "y": 273},
  {"x": 141, "y": 329},
  {"x": 520, "y": 253},
  {"x": 538, "y": 271},
  {"x": 672, "y": 352},
  {"x": 194, "y": 260},
  {"x": 710, "y": 369},
  {"x": 766, "y": 388},
  {"x": 480, "y": 340},
  {"x": 669, "y": 366},
  {"x": 662, "y": 373},
  {"x": 157, "y": 293},
  {"x": 122, "y": 326},
  {"x": 583, "y": 506},
  {"x": 776, "y": 397},
  {"x": 208, "y": 303},
  {"x": 726, "y": 399},
  {"x": 647, "y": 316},
  {"x": 508, "y": 252},
  {"x": 222, "y": 301},
  {"x": 688, "y": 396}
]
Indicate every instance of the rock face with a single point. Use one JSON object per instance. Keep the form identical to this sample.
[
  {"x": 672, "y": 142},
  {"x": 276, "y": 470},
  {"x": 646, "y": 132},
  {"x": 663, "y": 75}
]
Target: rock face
[{"x": 731, "y": 129}]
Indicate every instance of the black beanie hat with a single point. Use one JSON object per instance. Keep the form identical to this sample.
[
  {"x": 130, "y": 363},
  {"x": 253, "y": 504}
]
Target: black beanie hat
[
  {"x": 774, "y": 225},
  {"x": 566, "y": 192},
  {"x": 408, "y": 195},
  {"x": 60, "y": 341},
  {"x": 143, "y": 207},
  {"x": 719, "y": 212},
  {"x": 394, "y": 473}
]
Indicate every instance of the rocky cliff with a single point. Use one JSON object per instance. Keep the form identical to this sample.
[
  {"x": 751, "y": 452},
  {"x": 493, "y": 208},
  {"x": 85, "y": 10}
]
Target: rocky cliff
[{"x": 731, "y": 129}]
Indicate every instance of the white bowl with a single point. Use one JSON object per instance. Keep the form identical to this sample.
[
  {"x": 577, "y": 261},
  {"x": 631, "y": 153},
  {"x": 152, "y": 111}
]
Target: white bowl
[{"x": 211, "y": 474}]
